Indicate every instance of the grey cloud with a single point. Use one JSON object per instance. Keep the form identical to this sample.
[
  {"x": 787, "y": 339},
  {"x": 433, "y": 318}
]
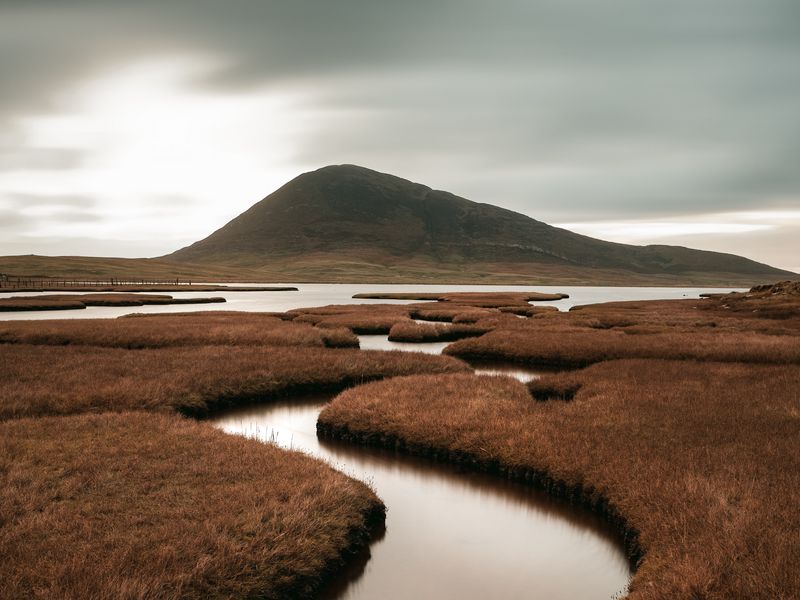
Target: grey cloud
[
  {"x": 18, "y": 221},
  {"x": 32, "y": 158},
  {"x": 20, "y": 200},
  {"x": 10, "y": 220},
  {"x": 647, "y": 107}
]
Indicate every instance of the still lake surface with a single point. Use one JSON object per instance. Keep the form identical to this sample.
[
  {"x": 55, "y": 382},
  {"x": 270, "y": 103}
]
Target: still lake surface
[
  {"x": 449, "y": 534},
  {"x": 321, "y": 294}
]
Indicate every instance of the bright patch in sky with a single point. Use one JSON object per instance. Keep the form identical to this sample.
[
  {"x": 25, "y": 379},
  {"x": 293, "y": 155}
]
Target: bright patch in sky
[{"x": 160, "y": 157}]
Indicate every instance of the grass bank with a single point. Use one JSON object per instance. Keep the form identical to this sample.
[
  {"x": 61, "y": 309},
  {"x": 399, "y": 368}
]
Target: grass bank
[
  {"x": 411, "y": 331},
  {"x": 696, "y": 463},
  {"x": 37, "y": 380},
  {"x": 171, "y": 330},
  {"x": 137, "y": 505},
  {"x": 731, "y": 328}
]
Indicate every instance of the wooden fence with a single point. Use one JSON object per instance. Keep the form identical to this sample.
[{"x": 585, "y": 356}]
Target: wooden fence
[{"x": 9, "y": 281}]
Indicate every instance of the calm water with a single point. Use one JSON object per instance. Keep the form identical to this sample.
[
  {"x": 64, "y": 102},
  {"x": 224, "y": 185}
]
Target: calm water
[{"x": 322, "y": 294}]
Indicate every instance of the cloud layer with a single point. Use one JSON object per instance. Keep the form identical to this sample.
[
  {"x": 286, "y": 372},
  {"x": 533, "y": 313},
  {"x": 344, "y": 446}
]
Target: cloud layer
[{"x": 571, "y": 111}]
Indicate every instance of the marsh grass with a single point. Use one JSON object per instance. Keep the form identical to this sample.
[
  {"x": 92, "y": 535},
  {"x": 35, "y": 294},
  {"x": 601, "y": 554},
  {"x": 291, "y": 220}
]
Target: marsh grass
[
  {"x": 137, "y": 505},
  {"x": 170, "y": 330},
  {"x": 410, "y": 331},
  {"x": 38, "y": 380},
  {"x": 102, "y": 502},
  {"x": 363, "y": 319},
  {"x": 677, "y": 329},
  {"x": 696, "y": 462},
  {"x": 463, "y": 307}
]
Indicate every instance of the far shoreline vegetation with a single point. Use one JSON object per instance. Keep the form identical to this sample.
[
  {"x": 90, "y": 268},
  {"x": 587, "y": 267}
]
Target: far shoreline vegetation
[{"x": 693, "y": 391}]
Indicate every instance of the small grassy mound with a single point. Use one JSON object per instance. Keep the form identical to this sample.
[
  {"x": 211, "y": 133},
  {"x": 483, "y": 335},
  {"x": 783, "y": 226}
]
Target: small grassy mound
[
  {"x": 137, "y": 505},
  {"x": 363, "y": 319},
  {"x": 486, "y": 299},
  {"x": 410, "y": 331}
]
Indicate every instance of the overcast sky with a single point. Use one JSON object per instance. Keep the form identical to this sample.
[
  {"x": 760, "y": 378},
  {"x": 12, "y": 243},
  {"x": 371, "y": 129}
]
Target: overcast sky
[{"x": 135, "y": 128}]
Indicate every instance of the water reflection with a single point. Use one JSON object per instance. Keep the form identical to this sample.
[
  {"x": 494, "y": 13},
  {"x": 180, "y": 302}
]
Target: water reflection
[
  {"x": 524, "y": 374},
  {"x": 450, "y": 534},
  {"x": 381, "y": 342}
]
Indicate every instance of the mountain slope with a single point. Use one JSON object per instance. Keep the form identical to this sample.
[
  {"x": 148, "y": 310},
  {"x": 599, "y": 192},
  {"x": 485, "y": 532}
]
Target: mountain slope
[{"x": 348, "y": 219}]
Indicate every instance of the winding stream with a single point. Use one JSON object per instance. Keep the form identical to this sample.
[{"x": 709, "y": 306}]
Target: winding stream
[{"x": 451, "y": 534}]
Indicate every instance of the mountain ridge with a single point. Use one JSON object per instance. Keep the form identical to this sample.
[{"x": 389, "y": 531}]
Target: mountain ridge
[{"x": 343, "y": 215}]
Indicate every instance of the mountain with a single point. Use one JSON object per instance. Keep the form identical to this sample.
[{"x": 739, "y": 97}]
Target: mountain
[{"x": 346, "y": 222}]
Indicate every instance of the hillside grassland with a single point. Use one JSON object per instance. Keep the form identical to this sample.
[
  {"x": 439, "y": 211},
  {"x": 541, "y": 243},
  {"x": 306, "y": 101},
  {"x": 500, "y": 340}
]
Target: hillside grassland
[
  {"x": 83, "y": 268},
  {"x": 696, "y": 463},
  {"x": 136, "y": 505}
]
